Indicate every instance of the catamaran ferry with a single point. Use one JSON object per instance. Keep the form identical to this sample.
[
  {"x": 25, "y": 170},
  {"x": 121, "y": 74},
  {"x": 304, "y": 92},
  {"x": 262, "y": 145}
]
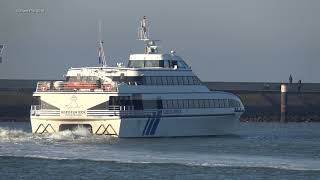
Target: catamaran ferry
[{"x": 156, "y": 95}]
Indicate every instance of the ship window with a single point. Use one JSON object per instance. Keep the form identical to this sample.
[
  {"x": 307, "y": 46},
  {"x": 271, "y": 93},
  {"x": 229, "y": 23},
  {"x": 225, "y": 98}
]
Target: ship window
[
  {"x": 196, "y": 103},
  {"x": 166, "y": 64},
  {"x": 238, "y": 104},
  {"x": 201, "y": 103},
  {"x": 214, "y": 103},
  {"x": 175, "y": 80},
  {"x": 181, "y": 65},
  {"x": 120, "y": 101},
  {"x": 194, "y": 80},
  {"x": 153, "y": 80},
  {"x": 174, "y": 103},
  {"x": 190, "y": 103},
  {"x": 137, "y": 104},
  {"x": 234, "y": 103},
  {"x": 158, "y": 80},
  {"x": 161, "y": 63},
  {"x": 170, "y": 80},
  {"x": 185, "y": 80},
  {"x": 190, "y": 80},
  {"x": 150, "y": 104},
  {"x": 136, "y": 64},
  {"x": 211, "y": 103},
  {"x": 180, "y": 80},
  {"x": 148, "y": 80},
  {"x": 221, "y": 102},
  {"x": 174, "y": 63},
  {"x": 180, "y": 103},
  {"x": 164, "y": 104},
  {"x": 230, "y": 103},
  {"x": 185, "y": 103},
  {"x": 164, "y": 80},
  {"x": 207, "y": 103},
  {"x": 170, "y": 104},
  {"x": 226, "y": 104},
  {"x": 151, "y": 63}
]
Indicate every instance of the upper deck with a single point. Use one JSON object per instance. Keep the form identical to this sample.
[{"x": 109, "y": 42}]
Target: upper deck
[{"x": 146, "y": 72}]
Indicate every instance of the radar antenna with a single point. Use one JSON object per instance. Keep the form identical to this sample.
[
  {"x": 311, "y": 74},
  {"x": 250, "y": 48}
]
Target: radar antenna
[
  {"x": 101, "y": 56},
  {"x": 143, "y": 33}
]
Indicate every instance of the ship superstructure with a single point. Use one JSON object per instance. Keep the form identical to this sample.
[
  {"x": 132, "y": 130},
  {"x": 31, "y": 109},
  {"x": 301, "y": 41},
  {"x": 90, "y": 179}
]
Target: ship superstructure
[{"x": 156, "y": 95}]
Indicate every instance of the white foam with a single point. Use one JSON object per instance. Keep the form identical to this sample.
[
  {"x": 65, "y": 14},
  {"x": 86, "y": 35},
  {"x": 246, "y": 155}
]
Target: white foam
[
  {"x": 78, "y": 135},
  {"x": 14, "y": 135}
]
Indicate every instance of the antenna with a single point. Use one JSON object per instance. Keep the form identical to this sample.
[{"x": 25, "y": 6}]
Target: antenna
[
  {"x": 150, "y": 45},
  {"x": 101, "y": 56},
  {"x": 144, "y": 29}
]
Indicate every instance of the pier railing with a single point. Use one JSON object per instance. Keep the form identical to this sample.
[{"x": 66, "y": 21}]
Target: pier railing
[{"x": 63, "y": 86}]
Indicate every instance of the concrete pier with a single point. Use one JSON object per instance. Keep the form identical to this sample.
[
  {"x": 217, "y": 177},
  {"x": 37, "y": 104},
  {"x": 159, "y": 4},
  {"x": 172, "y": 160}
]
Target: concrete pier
[{"x": 283, "y": 106}]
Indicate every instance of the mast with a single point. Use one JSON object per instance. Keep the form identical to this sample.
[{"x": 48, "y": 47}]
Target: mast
[
  {"x": 101, "y": 55},
  {"x": 150, "y": 45},
  {"x": 144, "y": 29}
]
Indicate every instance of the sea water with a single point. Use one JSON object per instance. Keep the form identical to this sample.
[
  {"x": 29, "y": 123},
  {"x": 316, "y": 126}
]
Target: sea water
[{"x": 252, "y": 151}]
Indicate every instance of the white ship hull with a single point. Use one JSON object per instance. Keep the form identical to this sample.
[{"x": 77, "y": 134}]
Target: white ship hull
[{"x": 144, "y": 127}]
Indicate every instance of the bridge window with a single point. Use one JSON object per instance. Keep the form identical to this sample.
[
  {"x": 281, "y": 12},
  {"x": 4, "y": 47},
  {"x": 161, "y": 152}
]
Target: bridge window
[{"x": 136, "y": 64}]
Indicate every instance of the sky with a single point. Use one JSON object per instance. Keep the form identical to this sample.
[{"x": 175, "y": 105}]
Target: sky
[{"x": 222, "y": 40}]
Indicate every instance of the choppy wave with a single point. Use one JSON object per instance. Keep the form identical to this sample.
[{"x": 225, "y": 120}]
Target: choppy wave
[
  {"x": 295, "y": 166},
  {"x": 81, "y": 145}
]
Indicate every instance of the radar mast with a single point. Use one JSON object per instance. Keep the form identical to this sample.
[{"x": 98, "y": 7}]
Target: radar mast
[
  {"x": 150, "y": 44},
  {"x": 101, "y": 56}
]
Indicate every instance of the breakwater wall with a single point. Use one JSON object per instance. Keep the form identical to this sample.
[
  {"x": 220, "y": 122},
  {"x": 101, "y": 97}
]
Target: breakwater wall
[{"x": 261, "y": 100}]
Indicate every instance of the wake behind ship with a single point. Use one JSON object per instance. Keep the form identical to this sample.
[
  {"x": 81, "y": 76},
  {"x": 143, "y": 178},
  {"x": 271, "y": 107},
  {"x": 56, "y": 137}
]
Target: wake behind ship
[{"x": 156, "y": 95}]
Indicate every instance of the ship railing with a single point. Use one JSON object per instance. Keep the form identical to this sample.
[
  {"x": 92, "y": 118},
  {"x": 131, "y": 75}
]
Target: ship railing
[
  {"x": 120, "y": 108},
  {"x": 63, "y": 86},
  {"x": 37, "y": 111},
  {"x": 122, "y": 111}
]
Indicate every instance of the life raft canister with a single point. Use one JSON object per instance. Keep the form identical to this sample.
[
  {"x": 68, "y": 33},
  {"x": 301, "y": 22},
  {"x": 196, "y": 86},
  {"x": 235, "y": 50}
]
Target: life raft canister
[
  {"x": 107, "y": 87},
  {"x": 43, "y": 87}
]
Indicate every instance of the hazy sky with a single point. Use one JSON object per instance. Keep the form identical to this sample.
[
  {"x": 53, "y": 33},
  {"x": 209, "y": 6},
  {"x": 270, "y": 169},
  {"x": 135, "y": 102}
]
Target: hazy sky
[{"x": 222, "y": 40}]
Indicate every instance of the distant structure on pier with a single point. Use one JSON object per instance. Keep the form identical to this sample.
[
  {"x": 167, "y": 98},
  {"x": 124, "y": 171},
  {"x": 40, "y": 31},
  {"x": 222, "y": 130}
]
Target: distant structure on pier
[{"x": 1, "y": 48}]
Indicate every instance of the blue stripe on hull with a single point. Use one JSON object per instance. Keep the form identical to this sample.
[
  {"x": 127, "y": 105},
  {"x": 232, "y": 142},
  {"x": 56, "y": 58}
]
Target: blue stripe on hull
[
  {"x": 145, "y": 127},
  {"x": 156, "y": 123},
  {"x": 152, "y": 124}
]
